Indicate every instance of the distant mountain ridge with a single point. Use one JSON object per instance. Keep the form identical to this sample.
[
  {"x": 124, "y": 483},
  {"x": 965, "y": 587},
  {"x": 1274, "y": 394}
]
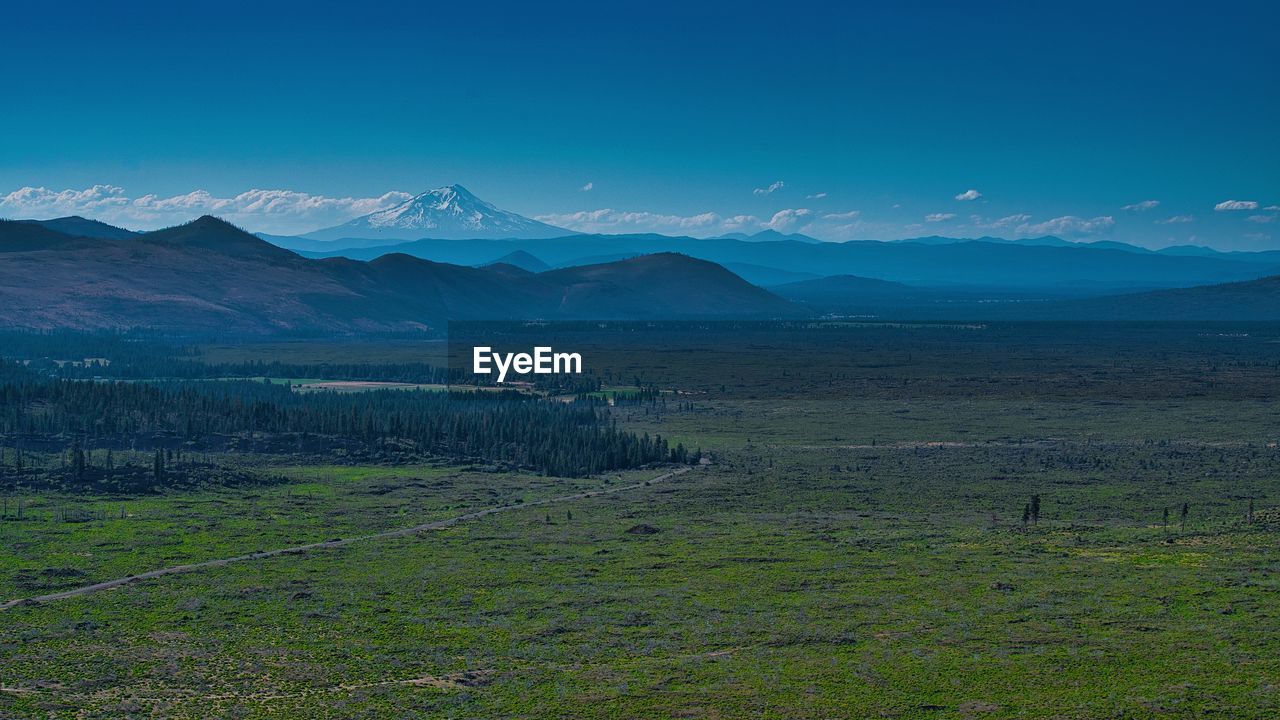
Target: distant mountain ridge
[
  {"x": 839, "y": 287},
  {"x": 522, "y": 260},
  {"x": 768, "y": 236},
  {"x": 1252, "y": 300},
  {"x": 77, "y": 226},
  {"x": 210, "y": 277},
  {"x": 448, "y": 213},
  {"x": 1060, "y": 266}
]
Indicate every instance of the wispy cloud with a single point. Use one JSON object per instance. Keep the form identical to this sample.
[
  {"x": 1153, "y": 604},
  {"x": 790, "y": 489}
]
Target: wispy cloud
[
  {"x": 1177, "y": 220},
  {"x": 1236, "y": 205},
  {"x": 969, "y": 194},
  {"x": 740, "y": 223},
  {"x": 938, "y": 217},
  {"x": 773, "y": 187},
  {"x": 790, "y": 220},
  {"x": 816, "y": 196},
  {"x": 1261, "y": 218},
  {"x": 842, "y": 216},
  {"x": 608, "y": 220},
  {"x": 1069, "y": 226},
  {"x": 1272, "y": 207},
  {"x": 1142, "y": 206},
  {"x": 1003, "y": 223},
  {"x": 824, "y": 225},
  {"x": 588, "y": 187},
  {"x": 280, "y": 211}
]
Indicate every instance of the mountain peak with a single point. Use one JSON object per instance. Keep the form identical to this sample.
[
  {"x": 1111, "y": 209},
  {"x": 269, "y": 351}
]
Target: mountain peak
[
  {"x": 450, "y": 198},
  {"x": 458, "y": 190},
  {"x": 211, "y": 222},
  {"x": 522, "y": 260},
  {"x": 446, "y": 213},
  {"x": 447, "y": 191},
  {"x": 212, "y": 233}
]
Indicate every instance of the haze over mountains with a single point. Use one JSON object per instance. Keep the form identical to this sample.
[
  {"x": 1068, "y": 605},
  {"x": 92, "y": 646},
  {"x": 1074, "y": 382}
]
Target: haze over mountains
[
  {"x": 208, "y": 276},
  {"x": 1072, "y": 268},
  {"x": 430, "y": 225}
]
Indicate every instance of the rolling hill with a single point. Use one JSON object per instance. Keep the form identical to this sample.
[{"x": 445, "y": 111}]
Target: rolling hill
[
  {"x": 84, "y": 227},
  {"x": 22, "y": 236},
  {"x": 1247, "y": 301},
  {"x": 1253, "y": 300},
  {"x": 843, "y": 288},
  {"x": 1070, "y": 268},
  {"x": 660, "y": 285},
  {"x": 522, "y": 260},
  {"x": 210, "y": 277}
]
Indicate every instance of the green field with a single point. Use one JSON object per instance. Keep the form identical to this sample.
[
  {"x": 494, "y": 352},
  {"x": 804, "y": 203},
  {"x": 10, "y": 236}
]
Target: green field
[{"x": 859, "y": 551}]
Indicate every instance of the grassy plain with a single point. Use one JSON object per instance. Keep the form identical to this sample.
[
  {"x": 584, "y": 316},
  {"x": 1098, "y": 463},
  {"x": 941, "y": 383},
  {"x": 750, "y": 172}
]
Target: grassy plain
[{"x": 857, "y": 550}]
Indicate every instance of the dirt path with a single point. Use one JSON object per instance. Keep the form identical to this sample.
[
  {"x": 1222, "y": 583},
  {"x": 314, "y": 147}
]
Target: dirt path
[
  {"x": 1029, "y": 443},
  {"x": 299, "y": 549},
  {"x": 453, "y": 681}
]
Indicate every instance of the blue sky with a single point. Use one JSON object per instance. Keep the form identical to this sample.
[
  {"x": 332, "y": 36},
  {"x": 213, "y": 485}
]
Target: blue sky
[{"x": 868, "y": 120}]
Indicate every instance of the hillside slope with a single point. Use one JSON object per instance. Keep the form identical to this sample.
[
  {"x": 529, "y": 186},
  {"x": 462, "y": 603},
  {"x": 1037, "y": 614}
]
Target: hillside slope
[
  {"x": 84, "y": 227},
  {"x": 1244, "y": 301},
  {"x": 209, "y": 276}
]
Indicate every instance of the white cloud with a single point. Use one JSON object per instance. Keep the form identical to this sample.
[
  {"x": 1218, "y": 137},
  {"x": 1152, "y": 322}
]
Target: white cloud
[
  {"x": 1272, "y": 207},
  {"x": 790, "y": 220},
  {"x": 1003, "y": 223},
  {"x": 828, "y": 226},
  {"x": 843, "y": 216},
  {"x": 278, "y": 211},
  {"x": 1069, "y": 226},
  {"x": 816, "y": 196},
  {"x": 588, "y": 187},
  {"x": 969, "y": 194},
  {"x": 1177, "y": 220},
  {"x": 30, "y": 201},
  {"x": 1261, "y": 218},
  {"x": 1141, "y": 206},
  {"x": 608, "y": 220},
  {"x": 774, "y": 187},
  {"x": 1236, "y": 205},
  {"x": 938, "y": 217},
  {"x": 741, "y": 223}
]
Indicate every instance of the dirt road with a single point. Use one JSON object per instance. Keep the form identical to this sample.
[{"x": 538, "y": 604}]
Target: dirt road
[{"x": 299, "y": 549}]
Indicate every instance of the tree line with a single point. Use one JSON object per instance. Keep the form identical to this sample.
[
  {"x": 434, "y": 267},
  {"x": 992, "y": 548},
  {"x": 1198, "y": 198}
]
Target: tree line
[{"x": 559, "y": 438}]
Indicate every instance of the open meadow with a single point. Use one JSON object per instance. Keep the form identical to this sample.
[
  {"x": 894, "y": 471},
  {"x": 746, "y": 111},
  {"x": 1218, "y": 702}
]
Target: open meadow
[{"x": 982, "y": 522}]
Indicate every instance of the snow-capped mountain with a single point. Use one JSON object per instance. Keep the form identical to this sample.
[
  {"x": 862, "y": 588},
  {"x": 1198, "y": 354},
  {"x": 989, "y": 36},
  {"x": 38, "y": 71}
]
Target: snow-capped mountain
[{"x": 447, "y": 213}]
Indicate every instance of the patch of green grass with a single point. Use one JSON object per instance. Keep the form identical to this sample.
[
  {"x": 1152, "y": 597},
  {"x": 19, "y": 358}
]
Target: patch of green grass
[
  {"x": 857, "y": 550},
  {"x": 128, "y": 535},
  {"x": 775, "y": 586}
]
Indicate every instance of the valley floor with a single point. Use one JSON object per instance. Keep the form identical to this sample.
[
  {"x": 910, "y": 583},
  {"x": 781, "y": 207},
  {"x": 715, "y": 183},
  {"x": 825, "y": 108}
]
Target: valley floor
[{"x": 862, "y": 555}]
